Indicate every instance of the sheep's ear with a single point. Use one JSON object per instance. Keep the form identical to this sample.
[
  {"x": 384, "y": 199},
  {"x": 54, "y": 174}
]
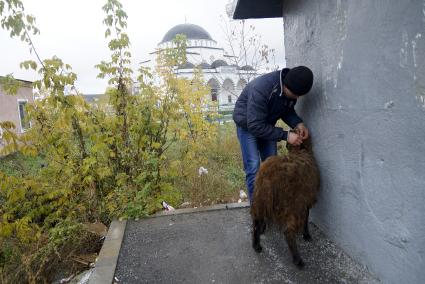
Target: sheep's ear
[
  {"x": 307, "y": 144},
  {"x": 289, "y": 147},
  {"x": 292, "y": 148}
]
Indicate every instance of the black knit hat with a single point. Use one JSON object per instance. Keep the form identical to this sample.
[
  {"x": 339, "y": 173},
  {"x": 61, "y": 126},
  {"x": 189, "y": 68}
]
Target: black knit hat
[{"x": 299, "y": 80}]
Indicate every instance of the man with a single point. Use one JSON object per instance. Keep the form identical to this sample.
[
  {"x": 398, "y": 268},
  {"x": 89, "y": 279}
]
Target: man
[{"x": 262, "y": 102}]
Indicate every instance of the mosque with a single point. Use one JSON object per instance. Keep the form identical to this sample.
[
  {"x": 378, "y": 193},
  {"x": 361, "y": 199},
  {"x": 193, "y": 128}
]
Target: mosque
[{"x": 225, "y": 79}]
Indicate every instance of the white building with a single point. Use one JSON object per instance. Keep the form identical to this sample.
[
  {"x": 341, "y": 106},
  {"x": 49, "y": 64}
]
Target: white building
[{"x": 226, "y": 80}]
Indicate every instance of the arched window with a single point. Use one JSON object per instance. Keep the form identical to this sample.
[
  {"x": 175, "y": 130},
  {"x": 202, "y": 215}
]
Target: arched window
[
  {"x": 228, "y": 85},
  {"x": 228, "y": 90},
  {"x": 215, "y": 87},
  {"x": 214, "y": 93}
]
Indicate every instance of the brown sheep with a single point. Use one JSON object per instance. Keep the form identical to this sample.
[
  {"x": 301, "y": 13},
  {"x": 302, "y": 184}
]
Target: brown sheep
[{"x": 285, "y": 190}]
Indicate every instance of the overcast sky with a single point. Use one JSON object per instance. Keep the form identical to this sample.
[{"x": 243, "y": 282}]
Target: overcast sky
[{"x": 73, "y": 31}]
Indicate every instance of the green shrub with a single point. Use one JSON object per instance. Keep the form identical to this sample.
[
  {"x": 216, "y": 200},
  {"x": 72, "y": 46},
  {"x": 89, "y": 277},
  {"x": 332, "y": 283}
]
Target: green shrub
[{"x": 101, "y": 162}]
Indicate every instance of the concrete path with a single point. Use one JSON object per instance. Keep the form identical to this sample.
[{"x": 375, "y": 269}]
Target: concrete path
[{"x": 215, "y": 247}]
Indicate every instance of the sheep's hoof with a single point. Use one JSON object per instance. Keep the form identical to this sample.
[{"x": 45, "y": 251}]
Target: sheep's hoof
[
  {"x": 299, "y": 262},
  {"x": 307, "y": 237},
  {"x": 257, "y": 248}
]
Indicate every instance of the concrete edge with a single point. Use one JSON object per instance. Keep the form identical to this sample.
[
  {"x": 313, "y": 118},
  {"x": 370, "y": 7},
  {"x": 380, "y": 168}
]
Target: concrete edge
[
  {"x": 216, "y": 207},
  {"x": 106, "y": 262}
]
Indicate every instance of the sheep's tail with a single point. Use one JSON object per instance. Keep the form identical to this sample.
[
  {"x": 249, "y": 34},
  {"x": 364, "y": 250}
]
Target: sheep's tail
[{"x": 294, "y": 219}]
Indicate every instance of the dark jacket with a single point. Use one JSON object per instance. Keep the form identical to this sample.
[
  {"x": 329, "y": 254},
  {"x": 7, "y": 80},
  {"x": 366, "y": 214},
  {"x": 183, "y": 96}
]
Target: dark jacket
[{"x": 262, "y": 103}]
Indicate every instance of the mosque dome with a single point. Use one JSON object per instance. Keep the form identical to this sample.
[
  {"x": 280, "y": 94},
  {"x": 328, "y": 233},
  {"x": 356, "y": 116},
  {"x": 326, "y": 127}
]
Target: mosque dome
[
  {"x": 204, "y": 65},
  {"x": 187, "y": 65},
  {"x": 218, "y": 63},
  {"x": 191, "y": 31},
  {"x": 247, "y": 68}
]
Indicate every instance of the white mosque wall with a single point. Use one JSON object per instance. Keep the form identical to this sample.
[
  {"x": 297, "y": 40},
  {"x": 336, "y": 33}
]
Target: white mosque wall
[
  {"x": 191, "y": 43},
  {"x": 203, "y": 54},
  {"x": 227, "y": 82},
  {"x": 228, "y": 89}
]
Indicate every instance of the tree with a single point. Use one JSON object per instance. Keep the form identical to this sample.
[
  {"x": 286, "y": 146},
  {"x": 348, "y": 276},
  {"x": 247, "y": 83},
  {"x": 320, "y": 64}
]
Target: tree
[
  {"x": 100, "y": 164},
  {"x": 246, "y": 50}
]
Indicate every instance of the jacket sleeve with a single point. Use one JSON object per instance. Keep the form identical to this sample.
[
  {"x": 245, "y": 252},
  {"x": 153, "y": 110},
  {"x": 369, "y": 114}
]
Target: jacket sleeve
[
  {"x": 291, "y": 118},
  {"x": 257, "y": 118}
]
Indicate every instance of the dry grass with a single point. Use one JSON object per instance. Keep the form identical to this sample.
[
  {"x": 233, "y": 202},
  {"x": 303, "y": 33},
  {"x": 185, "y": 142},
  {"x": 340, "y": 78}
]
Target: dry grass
[{"x": 225, "y": 177}]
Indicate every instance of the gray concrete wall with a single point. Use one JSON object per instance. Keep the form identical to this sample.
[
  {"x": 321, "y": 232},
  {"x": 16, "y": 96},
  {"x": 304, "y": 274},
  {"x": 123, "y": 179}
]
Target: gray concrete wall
[{"x": 367, "y": 116}]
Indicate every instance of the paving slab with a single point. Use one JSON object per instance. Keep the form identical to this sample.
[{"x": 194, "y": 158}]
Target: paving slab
[{"x": 214, "y": 246}]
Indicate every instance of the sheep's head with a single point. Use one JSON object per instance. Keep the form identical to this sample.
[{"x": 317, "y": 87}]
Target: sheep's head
[{"x": 306, "y": 146}]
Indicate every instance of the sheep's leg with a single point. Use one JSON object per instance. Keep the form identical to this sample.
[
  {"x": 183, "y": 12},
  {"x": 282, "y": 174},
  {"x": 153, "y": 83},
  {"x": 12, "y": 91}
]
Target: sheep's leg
[
  {"x": 258, "y": 229},
  {"x": 306, "y": 232},
  {"x": 262, "y": 227},
  {"x": 292, "y": 244}
]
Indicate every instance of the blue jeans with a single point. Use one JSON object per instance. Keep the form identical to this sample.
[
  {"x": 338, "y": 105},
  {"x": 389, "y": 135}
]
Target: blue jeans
[{"x": 253, "y": 149}]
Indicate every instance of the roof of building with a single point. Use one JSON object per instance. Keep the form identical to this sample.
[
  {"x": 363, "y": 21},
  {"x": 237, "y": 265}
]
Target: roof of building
[
  {"x": 191, "y": 31},
  {"x": 254, "y": 9},
  {"x": 218, "y": 63},
  {"x": 247, "y": 68},
  {"x": 91, "y": 98},
  {"x": 204, "y": 65},
  {"x": 187, "y": 65},
  {"x": 21, "y": 82}
]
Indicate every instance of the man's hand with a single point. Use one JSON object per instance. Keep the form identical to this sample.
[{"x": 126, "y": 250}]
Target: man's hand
[
  {"x": 294, "y": 139},
  {"x": 302, "y": 130}
]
